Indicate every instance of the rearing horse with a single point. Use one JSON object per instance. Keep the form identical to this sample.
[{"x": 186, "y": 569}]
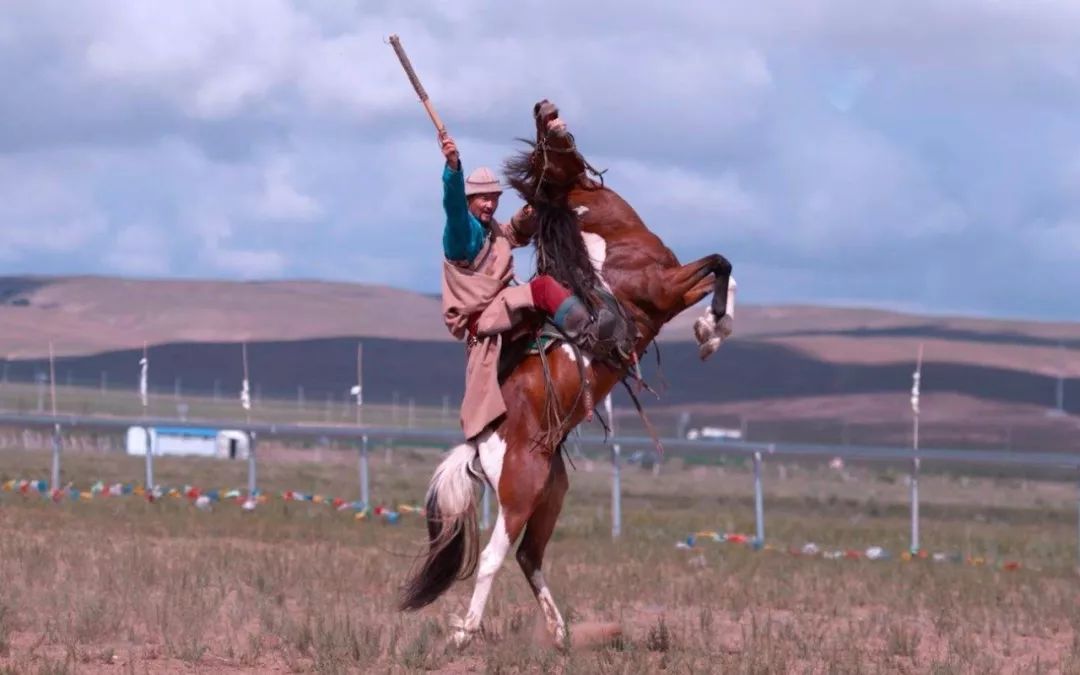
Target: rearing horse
[{"x": 587, "y": 236}]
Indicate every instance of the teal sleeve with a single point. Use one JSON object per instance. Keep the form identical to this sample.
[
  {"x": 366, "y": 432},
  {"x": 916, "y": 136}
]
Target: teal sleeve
[{"x": 463, "y": 236}]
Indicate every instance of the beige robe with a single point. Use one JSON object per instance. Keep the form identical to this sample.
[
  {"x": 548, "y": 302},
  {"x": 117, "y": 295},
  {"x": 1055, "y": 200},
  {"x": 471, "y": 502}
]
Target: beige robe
[{"x": 483, "y": 286}]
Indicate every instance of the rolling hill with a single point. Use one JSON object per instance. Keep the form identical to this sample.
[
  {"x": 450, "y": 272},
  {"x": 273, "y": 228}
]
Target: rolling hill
[{"x": 794, "y": 362}]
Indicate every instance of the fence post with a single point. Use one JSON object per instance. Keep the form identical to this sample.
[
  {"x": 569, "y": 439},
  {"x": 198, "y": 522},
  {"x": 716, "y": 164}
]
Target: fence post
[
  {"x": 365, "y": 494},
  {"x": 616, "y": 475},
  {"x": 149, "y": 461},
  {"x": 251, "y": 469},
  {"x": 56, "y": 457},
  {"x": 915, "y": 506},
  {"x": 485, "y": 507},
  {"x": 915, "y": 390},
  {"x": 616, "y": 491},
  {"x": 759, "y": 502}
]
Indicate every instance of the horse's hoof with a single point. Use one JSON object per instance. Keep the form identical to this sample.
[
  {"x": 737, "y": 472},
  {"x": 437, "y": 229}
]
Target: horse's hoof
[
  {"x": 460, "y": 635},
  {"x": 461, "y": 638},
  {"x": 726, "y": 326},
  {"x": 704, "y": 329},
  {"x": 562, "y": 640},
  {"x": 709, "y": 347}
]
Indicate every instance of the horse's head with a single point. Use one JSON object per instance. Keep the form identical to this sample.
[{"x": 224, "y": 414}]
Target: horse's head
[
  {"x": 553, "y": 167},
  {"x": 544, "y": 176}
]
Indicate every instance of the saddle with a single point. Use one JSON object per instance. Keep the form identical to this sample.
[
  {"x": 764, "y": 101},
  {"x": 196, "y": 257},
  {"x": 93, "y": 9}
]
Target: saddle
[{"x": 617, "y": 348}]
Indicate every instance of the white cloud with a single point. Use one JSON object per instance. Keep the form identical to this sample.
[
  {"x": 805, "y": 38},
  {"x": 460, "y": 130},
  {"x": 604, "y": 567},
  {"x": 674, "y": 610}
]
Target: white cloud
[
  {"x": 245, "y": 264},
  {"x": 280, "y": 199},
  {"x": 213, "y": 58},
  {"x": 847, "y": 185},
  {"x": 687, "y": 203},
  {"x": 40, "y": 212},
  {"x": 1058, "y": 241},
  {"x": 817, "y": 142},
  {"x": 140, "y": 250}
]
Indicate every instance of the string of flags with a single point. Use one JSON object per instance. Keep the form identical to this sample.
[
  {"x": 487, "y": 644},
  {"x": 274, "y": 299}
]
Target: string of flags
[
  {"x": 205, "y": 499},
  {"x": 812, "y": 550}
]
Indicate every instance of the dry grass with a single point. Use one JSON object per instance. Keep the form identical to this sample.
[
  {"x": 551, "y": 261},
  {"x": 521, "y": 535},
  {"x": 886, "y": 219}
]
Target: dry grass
[{"x": 120, "y": 585}]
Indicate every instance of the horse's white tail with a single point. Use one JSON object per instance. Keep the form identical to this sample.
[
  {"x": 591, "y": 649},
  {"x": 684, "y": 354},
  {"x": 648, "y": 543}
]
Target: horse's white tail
[{"x": 453, "y": 533}]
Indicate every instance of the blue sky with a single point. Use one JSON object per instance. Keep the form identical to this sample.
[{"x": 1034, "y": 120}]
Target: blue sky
[{"x": 913, "y": 155}]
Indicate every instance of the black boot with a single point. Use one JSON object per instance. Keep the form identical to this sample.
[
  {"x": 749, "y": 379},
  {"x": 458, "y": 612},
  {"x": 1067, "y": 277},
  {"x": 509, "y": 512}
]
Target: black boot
[{"x": 584, "y": 329}]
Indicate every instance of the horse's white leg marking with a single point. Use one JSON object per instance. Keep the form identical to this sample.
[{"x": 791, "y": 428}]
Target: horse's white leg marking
[
  {"x": 730, "y": 306},
  {"x": 552, "y": 616},
  {"x": 492, "y": 449},
  {"x": 711, "y": 333},
  {"x": 491, "y": 559}
]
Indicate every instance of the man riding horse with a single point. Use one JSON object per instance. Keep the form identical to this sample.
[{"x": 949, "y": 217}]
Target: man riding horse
[
  {"x": 593, "y": 241},
  {"x": 482, "y": 303}
]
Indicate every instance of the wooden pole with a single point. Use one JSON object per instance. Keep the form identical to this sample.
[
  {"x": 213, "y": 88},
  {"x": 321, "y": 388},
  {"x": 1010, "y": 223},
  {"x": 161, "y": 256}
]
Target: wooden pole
[{"x": 395, "y": 42}]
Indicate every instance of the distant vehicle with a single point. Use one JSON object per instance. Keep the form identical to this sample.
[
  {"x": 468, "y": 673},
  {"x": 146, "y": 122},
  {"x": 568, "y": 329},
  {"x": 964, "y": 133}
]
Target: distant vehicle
[
  {"x": 713, "y": 432},
  {"x": 189, "y": 442}
]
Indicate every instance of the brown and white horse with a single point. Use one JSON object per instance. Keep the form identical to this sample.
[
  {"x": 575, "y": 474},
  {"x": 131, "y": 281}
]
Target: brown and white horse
[{"x": 587, "y": 236}]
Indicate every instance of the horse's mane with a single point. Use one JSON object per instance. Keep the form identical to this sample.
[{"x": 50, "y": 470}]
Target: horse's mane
[
  {"x": 560, "y": 249},
  {"x": 519, "y": 173}
]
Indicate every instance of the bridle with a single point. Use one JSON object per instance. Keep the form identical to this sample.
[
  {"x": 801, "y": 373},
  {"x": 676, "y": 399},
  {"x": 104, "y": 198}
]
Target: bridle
[{"x": 543, "y": 147}]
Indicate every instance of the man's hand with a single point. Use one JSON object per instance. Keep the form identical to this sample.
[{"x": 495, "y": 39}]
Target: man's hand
[{"x": 450, "y": 151}]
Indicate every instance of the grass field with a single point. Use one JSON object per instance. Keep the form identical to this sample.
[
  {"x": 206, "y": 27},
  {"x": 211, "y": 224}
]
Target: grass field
[{"x": 121, "y": 585}]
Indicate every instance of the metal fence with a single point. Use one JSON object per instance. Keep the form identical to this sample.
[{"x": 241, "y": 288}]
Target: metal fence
[
  {"x": 758, "y": 453},
  {"x": 311, "y": 405}
]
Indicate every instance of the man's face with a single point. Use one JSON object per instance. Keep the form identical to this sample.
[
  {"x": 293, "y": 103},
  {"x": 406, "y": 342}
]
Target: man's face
[{"x": 483, "y": 206}]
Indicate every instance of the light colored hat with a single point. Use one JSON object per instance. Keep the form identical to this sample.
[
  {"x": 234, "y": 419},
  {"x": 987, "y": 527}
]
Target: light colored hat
[{"x": 482, "y": 180}]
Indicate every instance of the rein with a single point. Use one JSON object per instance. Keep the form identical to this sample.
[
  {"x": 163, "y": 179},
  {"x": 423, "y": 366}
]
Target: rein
[{"x": 543, "y": 147}]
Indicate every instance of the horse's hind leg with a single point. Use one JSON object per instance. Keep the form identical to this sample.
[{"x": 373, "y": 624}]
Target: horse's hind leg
[
  {"x": 530, "y": 554},
  {"x": 692, "y": 273},
  {"x": 491, "y": 559},
  {"x": 507, "y": 529}
]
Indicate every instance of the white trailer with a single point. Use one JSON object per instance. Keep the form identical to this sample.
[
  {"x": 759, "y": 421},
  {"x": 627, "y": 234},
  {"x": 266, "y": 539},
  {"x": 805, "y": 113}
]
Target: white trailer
[{"x": 188, "y": 442}]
